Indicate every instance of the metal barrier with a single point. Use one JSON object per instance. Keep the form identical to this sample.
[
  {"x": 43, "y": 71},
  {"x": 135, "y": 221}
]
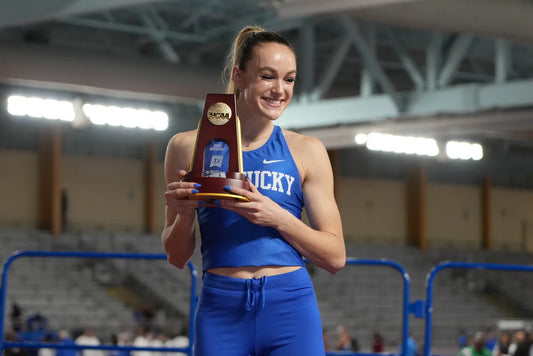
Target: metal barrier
[
  {"x": 420, "y": 308},
  {"x": 97, "y": 255},
  {"x": 447, "y": 265},
  {"x": 407, "y": 307}
]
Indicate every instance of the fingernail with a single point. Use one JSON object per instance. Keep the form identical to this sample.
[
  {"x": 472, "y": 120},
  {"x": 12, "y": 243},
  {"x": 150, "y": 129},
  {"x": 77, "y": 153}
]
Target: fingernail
[
  {"x": 216, "y": 202},
  {"x": 194, "y": 191},
  {"x": 227, "y": 187},
  {"x": 201, "y": 203},
  {"x": 197, "y": 185}
]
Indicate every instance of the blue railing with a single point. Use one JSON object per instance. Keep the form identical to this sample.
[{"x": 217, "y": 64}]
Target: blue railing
[
  {"x": 407, "y": 308},
  {"x": 96, "y": 255},
  {"x": 447, "y": 265},
  {"x": 420, "y": 308}
]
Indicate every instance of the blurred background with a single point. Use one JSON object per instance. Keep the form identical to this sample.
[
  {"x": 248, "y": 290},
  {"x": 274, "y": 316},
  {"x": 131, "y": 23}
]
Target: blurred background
[{"x": 424, "y": 106}]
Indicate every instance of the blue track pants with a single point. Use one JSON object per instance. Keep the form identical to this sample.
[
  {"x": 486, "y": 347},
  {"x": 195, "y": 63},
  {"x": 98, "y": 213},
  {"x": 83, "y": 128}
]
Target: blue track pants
[{"x": 270, "y": 316}]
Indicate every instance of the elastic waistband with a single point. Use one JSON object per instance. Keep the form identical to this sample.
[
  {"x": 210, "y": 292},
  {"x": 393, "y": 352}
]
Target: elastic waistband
[{"x": 297, "y": 277}]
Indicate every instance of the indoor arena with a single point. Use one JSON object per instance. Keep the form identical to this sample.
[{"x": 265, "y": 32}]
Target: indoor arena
[{"x": 266, "y": 178}]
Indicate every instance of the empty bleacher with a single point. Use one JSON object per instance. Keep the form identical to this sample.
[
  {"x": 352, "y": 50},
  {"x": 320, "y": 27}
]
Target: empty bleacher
[{"x": 72, "y": 293}]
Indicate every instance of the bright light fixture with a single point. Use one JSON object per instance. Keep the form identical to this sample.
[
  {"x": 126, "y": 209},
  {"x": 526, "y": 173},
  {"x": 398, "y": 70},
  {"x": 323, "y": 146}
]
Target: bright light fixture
[
  {"x": 52, "y": 109},
  {"x": 361, "y": 138},
  {"x": 126, "y": 117},
  {"x": 401, "y": 144},
  {"x": 464, "y": 150},
  {"x": 36, "y": 107},
  {"x": 421, "y": 146}
]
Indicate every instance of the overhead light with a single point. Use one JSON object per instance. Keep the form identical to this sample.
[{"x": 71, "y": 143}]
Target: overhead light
[
  {"x": 71, "y": 110},
  {"x": 361, "y": 138},
  {"x": 126, "y": 117},
  {"x": 37, "y": 107},
  {"x": 464, "y": 150},
  {"x": 410, "y": 145}
]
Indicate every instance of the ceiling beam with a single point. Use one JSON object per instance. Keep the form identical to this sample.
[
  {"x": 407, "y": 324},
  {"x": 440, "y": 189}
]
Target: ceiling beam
[
  {"x": 455, "y": 57},
  {"x": 297, "y": 8},
  {"x": 406, "y": 60},
  {"x": 370, "y": 61},
  {"x": 25, "y": 12},
  {"x": 457, "y": 100}
]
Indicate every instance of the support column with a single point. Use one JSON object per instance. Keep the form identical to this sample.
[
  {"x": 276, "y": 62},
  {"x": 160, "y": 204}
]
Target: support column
[
  {"x": 149, "y": 189},
  {"x": 50, "y": 180},
  {"x": 416, "y": 207},
  {"x": 486, "y": 207}
]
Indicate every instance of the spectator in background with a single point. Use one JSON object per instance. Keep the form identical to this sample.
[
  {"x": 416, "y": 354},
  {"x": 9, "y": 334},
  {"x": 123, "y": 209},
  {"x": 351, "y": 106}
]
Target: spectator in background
[
  {"x": 345, "y": 341},
  {"x": 490, "y": 339},
  {"x": 46, "y": 351},
  {"x": 378, "y": 343},
  {"x": 64, "y": 338},
  {"x": 143, "y": 339},
  {"x": 477, "y": 348},
  {"x": 144, "y": 316},
  {"x": 412, "y": 346},
  {"x": 159, "y": 340},
  {"x": 88, "y": 338},
  {"x": 180, "y": 340},
  {"x": 13, "y": 351},
  {"x": 520, "y": 345},
  {"x": 114, "y": 339},
  {"x": 502, "y": 347},
  {"x": 462, "y": 340},
  {"x": 16, "y": 317},
  {"x": 36, "y": 322}
]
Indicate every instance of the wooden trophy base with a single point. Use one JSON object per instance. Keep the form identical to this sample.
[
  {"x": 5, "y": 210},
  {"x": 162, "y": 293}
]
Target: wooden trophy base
[{"x": 212, "y": 188}]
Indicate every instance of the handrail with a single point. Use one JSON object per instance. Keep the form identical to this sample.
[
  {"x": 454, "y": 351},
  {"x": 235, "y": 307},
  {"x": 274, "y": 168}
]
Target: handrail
[
  {"x": 447, "y": 265},
  {"x": 406, "y": 295},
  {"x": 96, "y": 255},
  {"x": 193, "y": 299}
]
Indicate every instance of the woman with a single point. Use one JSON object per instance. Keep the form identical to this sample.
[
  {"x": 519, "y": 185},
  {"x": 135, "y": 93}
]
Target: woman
[
  {"x": 256, "y": 297},
  {"x": 502, "y": 347}
]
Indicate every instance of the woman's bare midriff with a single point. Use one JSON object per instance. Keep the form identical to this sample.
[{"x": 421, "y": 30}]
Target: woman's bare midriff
[{"x": 252, "y": 272}]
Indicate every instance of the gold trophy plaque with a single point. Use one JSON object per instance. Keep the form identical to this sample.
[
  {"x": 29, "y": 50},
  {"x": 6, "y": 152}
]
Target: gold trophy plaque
[{"x": 217, "y": 156}]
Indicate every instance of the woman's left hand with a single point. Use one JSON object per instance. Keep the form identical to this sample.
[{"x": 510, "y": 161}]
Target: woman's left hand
[{"x": 260, "y": 210}]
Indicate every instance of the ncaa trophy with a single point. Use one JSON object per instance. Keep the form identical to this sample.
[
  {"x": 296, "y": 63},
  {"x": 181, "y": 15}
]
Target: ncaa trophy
[{"x": 217, "y": 156}]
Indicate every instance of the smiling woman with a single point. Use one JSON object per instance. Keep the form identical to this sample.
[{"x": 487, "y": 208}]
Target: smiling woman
[{"x": 252, "y": 252}]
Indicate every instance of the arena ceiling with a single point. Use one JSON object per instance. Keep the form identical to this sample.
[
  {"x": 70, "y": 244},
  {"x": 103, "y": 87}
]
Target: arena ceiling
[{"x": 457, "y": 69}]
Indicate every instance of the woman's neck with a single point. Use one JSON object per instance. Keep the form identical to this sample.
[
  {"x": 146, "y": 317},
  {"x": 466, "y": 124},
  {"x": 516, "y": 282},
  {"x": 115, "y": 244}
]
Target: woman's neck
[
  {"x": 255, "y": 130},
  {"x": 254, "y": 135}
]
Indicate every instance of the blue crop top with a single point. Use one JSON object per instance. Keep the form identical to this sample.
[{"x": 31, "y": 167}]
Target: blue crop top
[{"x": 230, "y": 240}]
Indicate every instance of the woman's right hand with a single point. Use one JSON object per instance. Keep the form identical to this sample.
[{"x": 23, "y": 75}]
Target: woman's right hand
[{"x": 177, "y": 194}]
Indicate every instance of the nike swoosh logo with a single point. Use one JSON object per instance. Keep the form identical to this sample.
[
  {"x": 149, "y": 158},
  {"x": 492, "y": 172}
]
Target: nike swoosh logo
[{"x": 265, "y": 161}]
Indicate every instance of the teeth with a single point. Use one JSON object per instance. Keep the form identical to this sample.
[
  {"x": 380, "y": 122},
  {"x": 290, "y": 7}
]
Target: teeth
[{"x": 272, "y": 101}]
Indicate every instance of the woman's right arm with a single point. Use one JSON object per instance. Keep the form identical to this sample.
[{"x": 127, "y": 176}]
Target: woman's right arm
[{"x": 178, "y": 235}]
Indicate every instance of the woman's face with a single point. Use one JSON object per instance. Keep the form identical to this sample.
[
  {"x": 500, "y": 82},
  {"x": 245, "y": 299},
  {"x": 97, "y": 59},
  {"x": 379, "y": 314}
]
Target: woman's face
[{"x": 267, "y": 83}]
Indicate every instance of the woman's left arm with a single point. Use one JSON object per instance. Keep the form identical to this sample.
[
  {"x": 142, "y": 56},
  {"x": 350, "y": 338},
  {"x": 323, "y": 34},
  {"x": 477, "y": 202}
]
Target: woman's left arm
[{"x": 322, "y": 242}]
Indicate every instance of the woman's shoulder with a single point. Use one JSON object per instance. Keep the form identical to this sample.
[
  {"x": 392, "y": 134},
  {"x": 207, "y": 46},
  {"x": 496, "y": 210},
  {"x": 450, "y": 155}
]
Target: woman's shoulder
[
  {"x": 307, "y": 151},
  {"x": 299, "y": 142},
  {"x": 183, "y": 139},
  {"x": 180, "y": 149}
]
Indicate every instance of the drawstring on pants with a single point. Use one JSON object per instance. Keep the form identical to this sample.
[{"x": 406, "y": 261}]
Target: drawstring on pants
[{"x": 253, "y": 288}]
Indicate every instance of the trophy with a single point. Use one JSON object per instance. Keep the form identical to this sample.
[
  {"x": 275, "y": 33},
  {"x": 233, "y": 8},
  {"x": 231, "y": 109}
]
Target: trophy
[{"x": 217, "y": 156}]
